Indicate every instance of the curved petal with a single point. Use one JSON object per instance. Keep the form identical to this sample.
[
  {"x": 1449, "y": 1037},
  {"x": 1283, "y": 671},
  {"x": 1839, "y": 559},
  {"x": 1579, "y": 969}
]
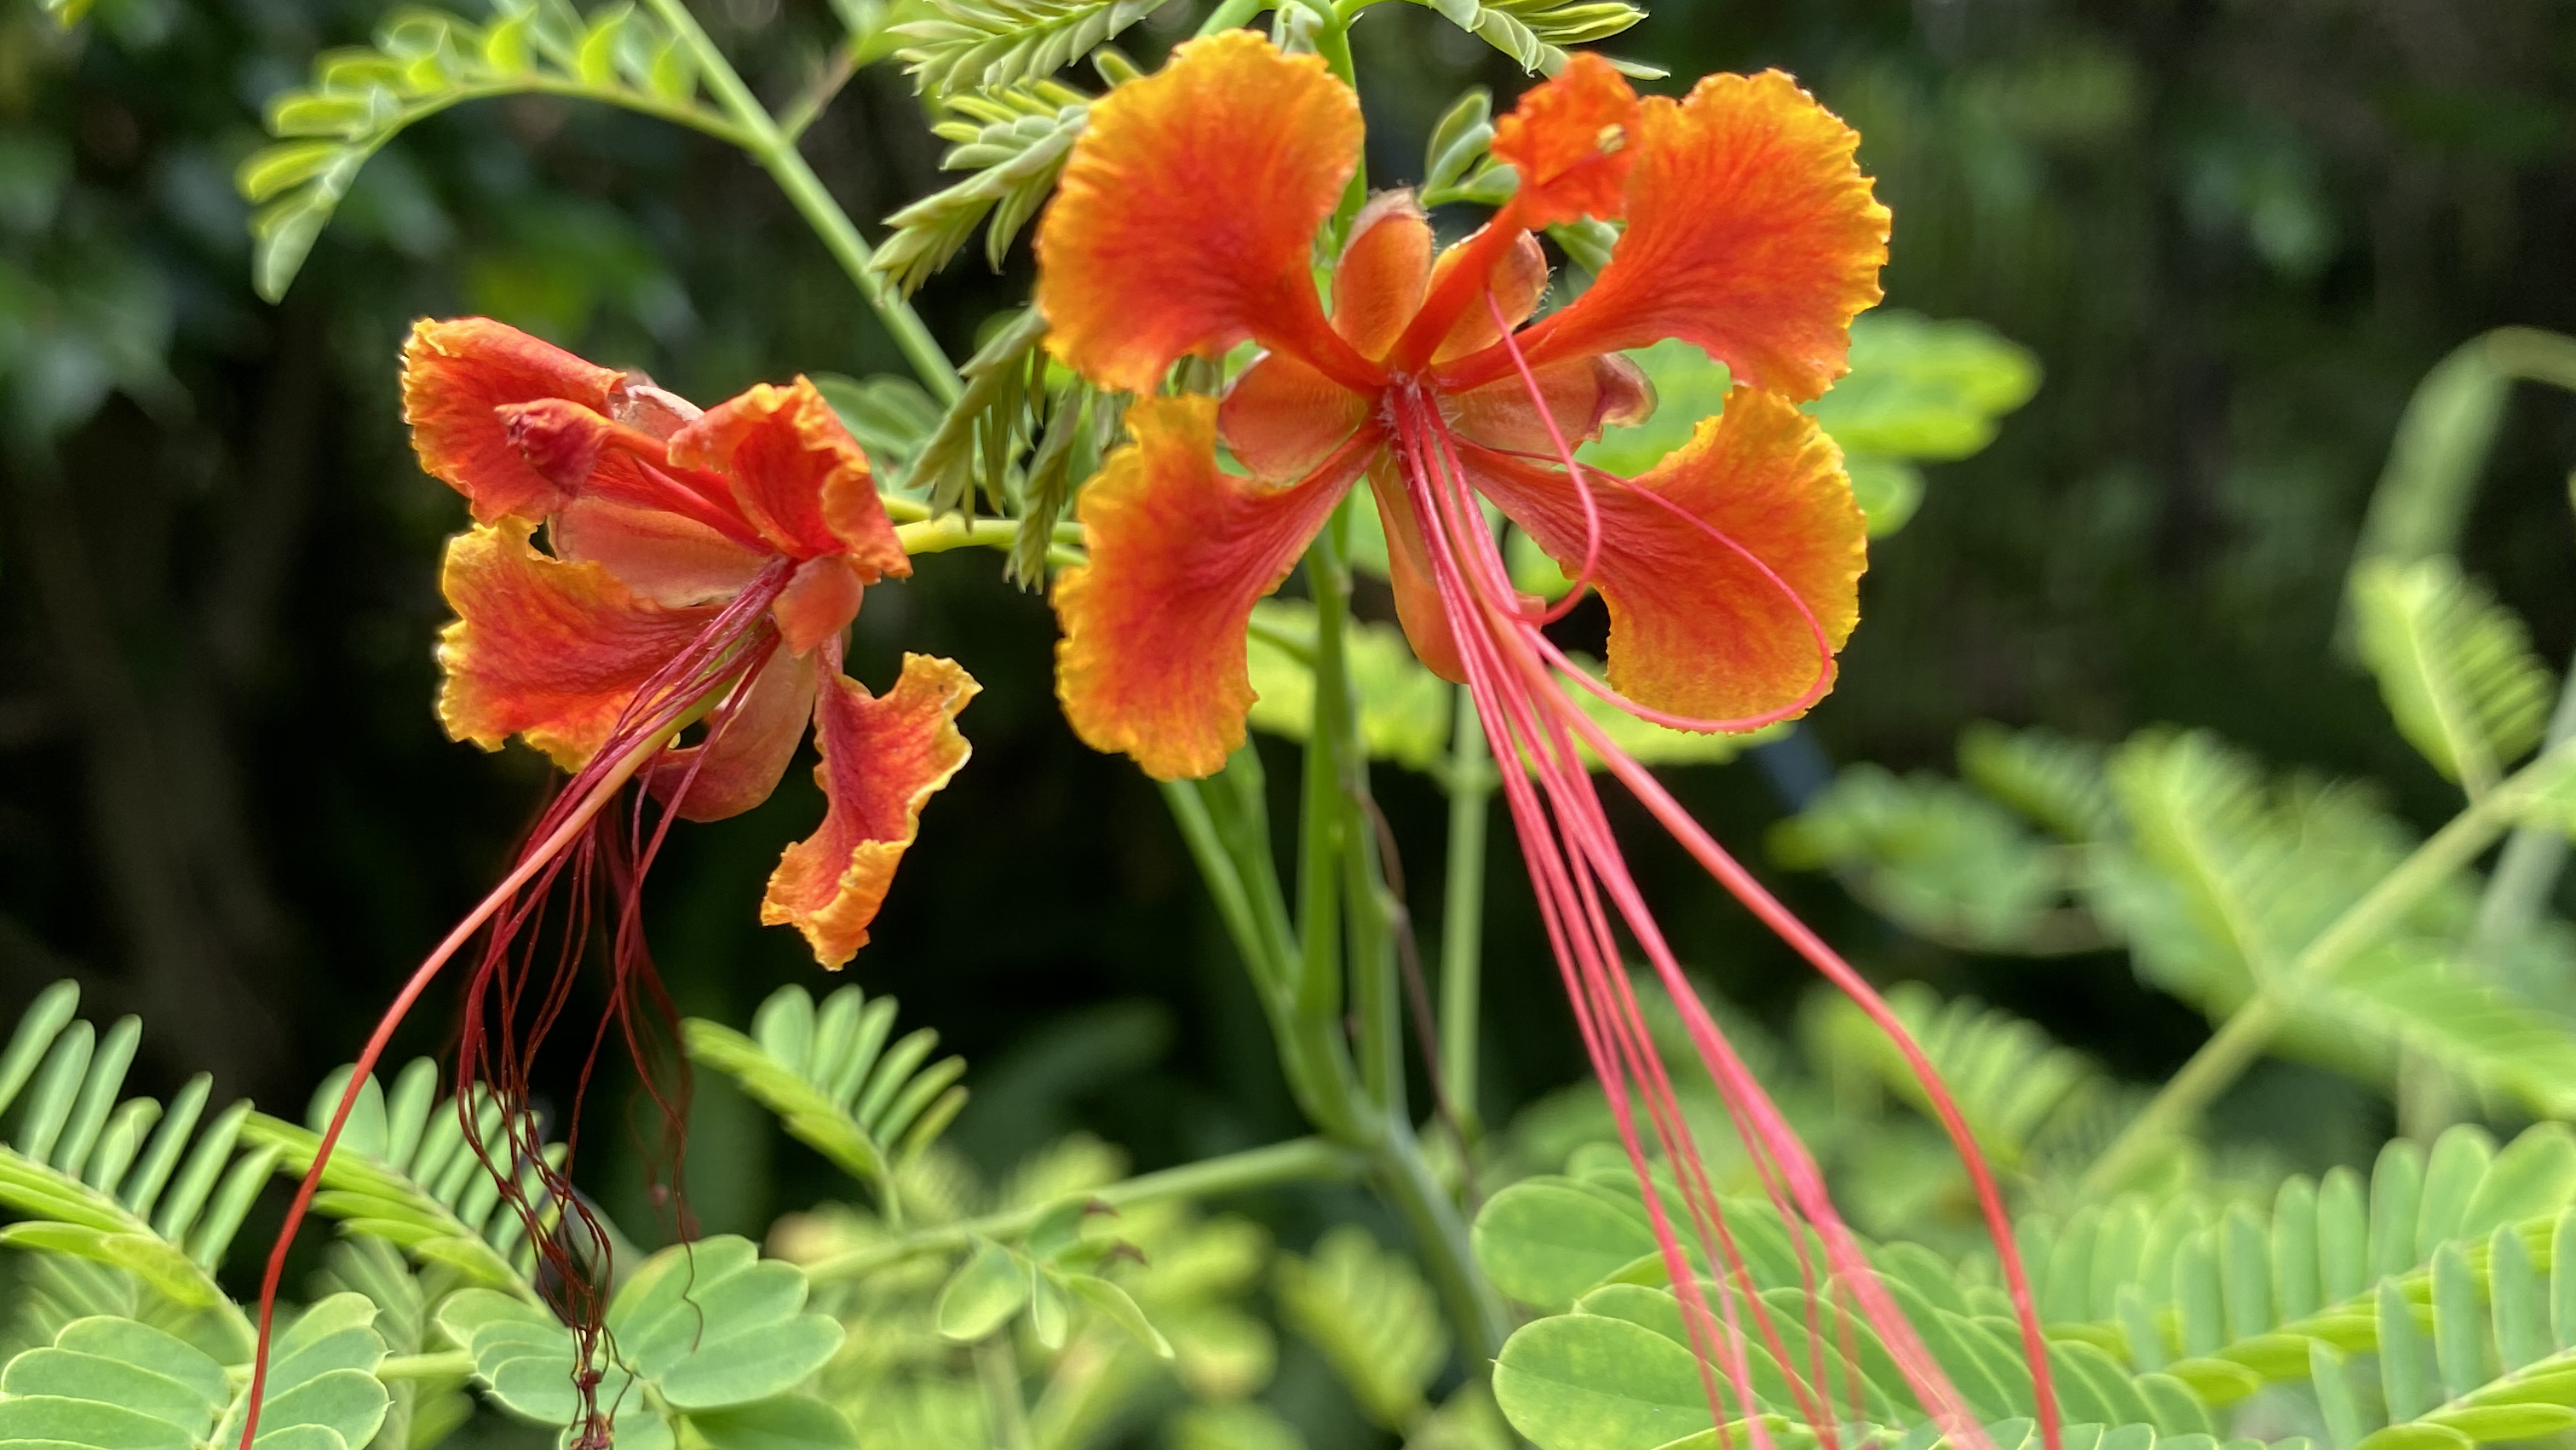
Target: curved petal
[
  {"x": 1408, "y": 566},
  {"x": 1152, "y": 659},
  {"x": 1583, "y": 394},
  {"x": 1386, "y": 264},
  {"x": 1568, "y": 139},
  {"x": 1695, "y": 628},
  {"x": 454, "y": 374},
  {"x": 1186, "y": 216},
  {"x": 1518, "y": 280},
  {"x": 544, "y": 648},
  {"x": 1751, "y": 233},
  {"x": 821, "y": 599},
  {"x": 748, "y": 753},
  {"x": 1282, "y": 417},
  {"x": 667, "y": 558},
  {"x": 796, "y": 473},
  {"x": 882, "y": 758}
]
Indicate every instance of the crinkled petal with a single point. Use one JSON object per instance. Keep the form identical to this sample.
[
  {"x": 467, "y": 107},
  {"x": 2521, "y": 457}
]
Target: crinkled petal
[
  {"x": 796, "y": 473},
  {"x": 1386, "y": 264},
  {"x": 661, "y": 555},
  {"x": 1584, "y": 394},
  {"x": 883, "y": 756},
  {"x": 746, "y": 754},
  {"x": 454, "y": 374},
  {"x": 1186, "y": 216},
  {"x": 585, "y": 456},
  {"x": 544, "y": 648},
  {"x": 1695, "y": 628},
  {"x": 1408, "y": 562},
  {"x": 1568, "y": 139},
  {"x": 1282, "y": 417},
  {"x": 1152, "y": 660},
  {"x": 1751, "y": 233}
]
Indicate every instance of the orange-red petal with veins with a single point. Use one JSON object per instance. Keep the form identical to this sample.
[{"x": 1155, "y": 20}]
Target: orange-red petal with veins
[
  {"x": 1152, "y": 660},
  {"x": 661, "y": 555},
  {"x": 546, "y": 649},
  {"x": 882, "y": 758},
  {"x": 1585, "y": 395},
  {"x": 748, "y": 752},
  {"x": 1568, "y": 138},
  {"x": 1751, "y": 233},
  {"x": 1185, "y": 220},
  {"x": 821, "y": 599},
  {"x": 587, "y": 456},
  {"x": 1282, "y": 418},
  {"x": 796, "y": 473},
  {"x": 1694, "y": 628},
  {"x": 454, "y": 374},
  {"x": 1378, "y": 284},
  {"x": 1518, "y": 281},
  {"x": 1408, "y": 566}
]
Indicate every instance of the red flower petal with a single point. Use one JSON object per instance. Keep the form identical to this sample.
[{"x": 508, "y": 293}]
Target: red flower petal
[
  {"x": 1418, "y": 606},
  {"x": 1568, "y": 138},
  {"x": 544, "y": 648},
  {"x": 1377, "y": 286},
  {"x": 822, "y": 598},
  {"x": 1696, "y": 629},
  {"x": 750, "y": 750},
  {"x": 1186, "y": 216},
  {"x": 663, "y": 556},
  {"x": 1751, "y": 233},
  {"x": 1152, "y": 659},
  {"x": 882, "y": 758},
  {"x": 454, "y": 374},
  {"x": 1518, "y": 280},
  {"x": 796, "y": 473},
  {"x": 1282, "y": 417},
  {"x": 1583, "y": 394}
]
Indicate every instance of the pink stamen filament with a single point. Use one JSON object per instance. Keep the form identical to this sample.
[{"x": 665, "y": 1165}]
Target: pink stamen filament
[
  {"x": 713, "y": 662},
  {"x": 1510, "y": 666}
]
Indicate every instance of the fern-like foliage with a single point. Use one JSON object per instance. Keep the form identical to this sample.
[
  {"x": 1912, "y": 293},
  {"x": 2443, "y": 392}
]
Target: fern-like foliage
[
  {"x": 1534, "y": 33},
  {"x": 2455, "y": 667},
  {"x": 425, "y": 61},
  {"x": 149, "y": 1192},
  {"x": 990, "y": 45},
  {"x": 403, "y": 1172},
  {"x": 1015, "y": 140},
  {"x": 2454, "y": 1270},
  {"x": 1374, "y": 1318},
  {"x": 836, "y": 1082}
]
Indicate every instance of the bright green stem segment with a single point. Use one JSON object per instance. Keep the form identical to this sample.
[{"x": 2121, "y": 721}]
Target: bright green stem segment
[
  {"x": 1300, "y": 1160},
  {"x": 2237, "y": 1044},
  {"x": 778, "y": 156},
  {"x": 1462, "y": 919}
]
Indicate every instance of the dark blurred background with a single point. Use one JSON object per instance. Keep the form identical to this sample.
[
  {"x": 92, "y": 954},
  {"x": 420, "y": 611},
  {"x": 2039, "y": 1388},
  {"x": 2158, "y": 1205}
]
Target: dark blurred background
[{"x": 2236, "y": 234}]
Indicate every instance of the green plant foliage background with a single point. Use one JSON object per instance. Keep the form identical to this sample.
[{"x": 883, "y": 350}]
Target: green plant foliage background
[{"x": 2223, "y": 242}]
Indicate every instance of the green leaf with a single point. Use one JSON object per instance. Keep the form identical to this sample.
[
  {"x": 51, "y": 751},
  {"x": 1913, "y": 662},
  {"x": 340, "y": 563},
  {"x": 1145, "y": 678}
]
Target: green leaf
[
  {"x": 1534, "y": 33},
  {"x": 840, "y": 1091},
  {"x": 1374, "y": 1318},
  {"x": 1014, "y": 139},
  {"x": 989, "y": 1288},
  {"x": 787, "y": 1422},
  {"x": 1945, "y": 862},
  {"x": 2455, "y": 667},
  {"x": 1591, "y": 1382},
  {"x": 1121, "y": 1310},
  {"x": 985, "y": 45},
  {"x": 1544, "y": 1241},
  {"x": 1404, "y": 708},
  {"x": 1927, "y": 390}
]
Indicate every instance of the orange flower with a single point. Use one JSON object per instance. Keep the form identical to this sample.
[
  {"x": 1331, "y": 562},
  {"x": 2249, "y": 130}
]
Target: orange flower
[
  {"x": 1185, "y": 224},
  {"x": 733, "y": 543}
]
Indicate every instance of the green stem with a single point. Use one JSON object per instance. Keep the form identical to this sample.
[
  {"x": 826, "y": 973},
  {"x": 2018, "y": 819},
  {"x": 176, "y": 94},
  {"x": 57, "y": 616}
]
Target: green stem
[
  {"x": 1333, "y": 43},
  {"x": 1476, "y": 1311},
  {"x": 805, "y": 191},
  {"x": 1340, "y": 873},
  {"x": 1006, "y": 1410},
  {"x": 2242, "y": 1039},
  {"x": 1471, "y": 791},
  {"x": 1300, "y": 1160},
  {"x": 2527, "y": 870}
]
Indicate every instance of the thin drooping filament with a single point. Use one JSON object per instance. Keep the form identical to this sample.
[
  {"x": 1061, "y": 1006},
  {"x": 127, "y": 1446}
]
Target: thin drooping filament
[
  {"x": 1583, "y": 887},
  {"x": 574, "y": 841}
]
